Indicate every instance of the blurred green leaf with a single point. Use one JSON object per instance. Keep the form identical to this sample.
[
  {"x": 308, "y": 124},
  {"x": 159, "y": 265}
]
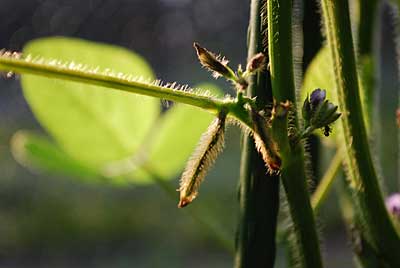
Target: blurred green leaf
[
  {"x": 93, "y": 125},
  {"x": 115, "y": 134},
  {"x": 180, "y": 131},
  {"x": 319, "y": 74},
  {"x": 172, "y": 141},
  {"x": 38, "y": 152}
]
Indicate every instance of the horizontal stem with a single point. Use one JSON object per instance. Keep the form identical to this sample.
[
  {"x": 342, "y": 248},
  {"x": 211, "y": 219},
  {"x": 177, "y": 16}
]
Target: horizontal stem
[
  {"x": 64, "y": 71},
  {"x": 59, "y": 71}
]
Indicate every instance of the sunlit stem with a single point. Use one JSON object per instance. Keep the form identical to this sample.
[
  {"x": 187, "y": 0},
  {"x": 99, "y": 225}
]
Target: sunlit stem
[{"x": 46, "y": 69}]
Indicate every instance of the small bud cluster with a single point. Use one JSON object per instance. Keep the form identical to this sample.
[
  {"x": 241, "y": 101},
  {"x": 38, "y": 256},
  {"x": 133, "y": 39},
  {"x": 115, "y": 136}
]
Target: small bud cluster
[
  {"x": 219, "y": 67},
  {"x": 212, "y": 141},
  {"x": 318, "y": 112}
]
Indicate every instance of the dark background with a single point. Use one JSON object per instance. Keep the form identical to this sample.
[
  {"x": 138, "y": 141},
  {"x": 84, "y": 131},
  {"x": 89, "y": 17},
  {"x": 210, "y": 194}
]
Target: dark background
[{"x": 49, "y": 221}]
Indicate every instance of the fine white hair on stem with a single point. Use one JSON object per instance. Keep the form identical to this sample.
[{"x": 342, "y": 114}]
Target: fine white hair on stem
[{"x": 207, "y": 151}]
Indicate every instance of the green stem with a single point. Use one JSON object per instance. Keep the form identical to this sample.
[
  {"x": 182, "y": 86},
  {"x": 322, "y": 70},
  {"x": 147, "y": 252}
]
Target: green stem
[
  {"x": 327, "y": 180},
  {"x": 366, "y": 256},
  {"x": 377, "y": 227},
  {"x": 293, "y": 169},
  {"x": 118, "y": 82},
  {"x": 259, "y": 192}
]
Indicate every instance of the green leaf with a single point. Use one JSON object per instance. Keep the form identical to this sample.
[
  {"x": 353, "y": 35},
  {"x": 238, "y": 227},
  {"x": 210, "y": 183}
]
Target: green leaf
[
  {"x": 319, "y": 74},
  {"x": 120, "y": 135},
  {"x": 93, "y": 125},
  {"x": 37, "y": 152},
  {"x": 180, "y": 131},
  {"x": 168, "y": 145}
]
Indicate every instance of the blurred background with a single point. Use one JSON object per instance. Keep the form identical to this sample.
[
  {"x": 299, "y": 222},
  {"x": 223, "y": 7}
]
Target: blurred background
[{"x": 58, "y": 221}]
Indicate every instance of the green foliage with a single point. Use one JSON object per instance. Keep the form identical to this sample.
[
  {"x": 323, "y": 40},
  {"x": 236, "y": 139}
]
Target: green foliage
[
  {"x": 115, "y": 134},
  {"x": 175, "y": 137},
  {"x": 102, "y": 133},
  {"x": 95, "y": 125},
  {"x": 177, "y": 134},
  {"x": 319, "y": 74},
  {"x": 37, "y": 152}
]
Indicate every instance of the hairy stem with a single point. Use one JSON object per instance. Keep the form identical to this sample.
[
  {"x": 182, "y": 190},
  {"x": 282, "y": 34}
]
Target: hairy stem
[
  {"x": 293, "y": 169},
  {"x": 366, "y": 256},
  {"x": 121, "y": 82},
  {"x": 258, "y": 192},
  {"x": 377, "y": 227}
]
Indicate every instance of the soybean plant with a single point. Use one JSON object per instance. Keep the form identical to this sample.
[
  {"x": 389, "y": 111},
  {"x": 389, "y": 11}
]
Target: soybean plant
[{"x": 275, "y": 127}]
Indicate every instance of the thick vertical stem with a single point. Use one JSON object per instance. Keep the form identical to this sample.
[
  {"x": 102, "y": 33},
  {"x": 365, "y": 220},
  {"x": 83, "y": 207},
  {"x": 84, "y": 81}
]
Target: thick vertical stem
[
  {"x": 259, "y": 192},
  {"x": 377, "y": 227},
  {"x": 293, "y": 169},
  {"x": 366, "y": 61}
]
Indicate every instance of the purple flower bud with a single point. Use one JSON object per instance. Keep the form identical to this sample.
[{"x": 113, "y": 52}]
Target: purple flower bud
[
  {"x": 317, "y": 97},
  {"x": 393, "y": 204}
]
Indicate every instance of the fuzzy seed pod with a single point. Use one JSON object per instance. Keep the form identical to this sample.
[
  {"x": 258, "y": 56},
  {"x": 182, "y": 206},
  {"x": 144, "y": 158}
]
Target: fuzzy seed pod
[
  {"x": 264, "y": 143},
  {"x": 209, "y": 147},
  {"x": 256, "y": 63}
]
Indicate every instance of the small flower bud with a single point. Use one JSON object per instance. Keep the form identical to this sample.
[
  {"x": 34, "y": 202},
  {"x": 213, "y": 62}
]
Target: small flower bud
[
  {"x": 324, "y": 115},
  {"x": 318, "y": 112},
  {"x": 213, "y": 63},
  {"x": 256, "y": 63},
  {"x": 393, "y": 204},
  {"x": 317, "y": 97}
]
